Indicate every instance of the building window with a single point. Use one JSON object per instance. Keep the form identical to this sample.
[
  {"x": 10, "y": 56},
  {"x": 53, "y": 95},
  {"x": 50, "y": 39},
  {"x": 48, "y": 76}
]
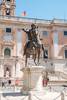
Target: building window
[
  {"x": 7, "y": 11},
  {"x": 45, "y": 55},
  {"x": 8, "y": 30},
  {"x": 65, "y": 53},
  {"x": 7, "y": 52},
  {"x": 65, "y": 33},
  {"x": 45, "y": 33},
  {"x": 8, "y": 0}
]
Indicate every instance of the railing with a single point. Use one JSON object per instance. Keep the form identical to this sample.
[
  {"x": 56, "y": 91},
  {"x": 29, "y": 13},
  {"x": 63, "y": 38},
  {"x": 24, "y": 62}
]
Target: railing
[
  {"x": 24, "y": 19},
  {"x": 13, "y": 80},
  {"x": 61, "y": 21},
  {"x": 9, "y": 58},
  {"x": 10, "y": 84},
  {"x": 59, "y": 96},
  {"x": 59, "y": 65},
  {"x": 42, "y": 95},
  {"x": 62, "y": 74},
  {"x": 33, "y": 20},
  {"x": 59, "y": 74},
  {"x": 37, "y": 97}
]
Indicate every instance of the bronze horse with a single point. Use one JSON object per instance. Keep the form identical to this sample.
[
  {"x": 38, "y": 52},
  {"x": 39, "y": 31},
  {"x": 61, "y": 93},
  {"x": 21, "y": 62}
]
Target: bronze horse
[
  {"x": 32, "y": 47},
  {"x": 35, "y": 52}
]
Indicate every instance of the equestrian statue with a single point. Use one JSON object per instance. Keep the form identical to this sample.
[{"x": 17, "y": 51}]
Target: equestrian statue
[{"x": 32, "y": 46}]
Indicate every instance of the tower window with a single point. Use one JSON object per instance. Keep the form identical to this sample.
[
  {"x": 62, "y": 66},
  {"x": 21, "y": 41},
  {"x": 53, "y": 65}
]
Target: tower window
[
  {"x": 8, "y": 30},
  {"x": 7, "y": 11},
  {"x": 8, "y": 0}
]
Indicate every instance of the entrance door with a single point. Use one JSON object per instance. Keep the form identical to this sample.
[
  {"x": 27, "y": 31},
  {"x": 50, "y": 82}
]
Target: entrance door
[{"x": 7, "y": 71}]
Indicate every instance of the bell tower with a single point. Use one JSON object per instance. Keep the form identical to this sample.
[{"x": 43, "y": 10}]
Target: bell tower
[{"x": 7, "y": 7}]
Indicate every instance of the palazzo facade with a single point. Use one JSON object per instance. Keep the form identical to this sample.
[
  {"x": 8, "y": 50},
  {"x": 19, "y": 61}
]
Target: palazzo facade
[{"x": 52, "y": 35}]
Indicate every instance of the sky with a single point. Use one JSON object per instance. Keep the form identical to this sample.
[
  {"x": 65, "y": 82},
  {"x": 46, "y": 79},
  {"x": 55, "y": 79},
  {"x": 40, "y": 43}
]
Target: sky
[{"x": 42, "y": 9}]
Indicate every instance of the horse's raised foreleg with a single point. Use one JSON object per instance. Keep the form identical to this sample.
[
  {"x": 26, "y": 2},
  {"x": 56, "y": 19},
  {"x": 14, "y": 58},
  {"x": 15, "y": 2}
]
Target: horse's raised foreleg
[
  {"x": 26, "y": 62},
  {"x": 38, "y": 55}
]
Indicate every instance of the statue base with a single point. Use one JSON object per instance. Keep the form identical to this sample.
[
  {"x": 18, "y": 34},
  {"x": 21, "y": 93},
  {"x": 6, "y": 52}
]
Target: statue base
[{"x": 32, "y": 78}]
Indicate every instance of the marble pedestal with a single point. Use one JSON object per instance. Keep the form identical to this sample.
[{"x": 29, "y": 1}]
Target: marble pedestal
[{"x": 32, "y": 78}]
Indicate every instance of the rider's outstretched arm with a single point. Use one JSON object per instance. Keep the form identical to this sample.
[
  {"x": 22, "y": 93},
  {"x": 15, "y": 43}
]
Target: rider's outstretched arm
[{"x": 25, "y": 30}]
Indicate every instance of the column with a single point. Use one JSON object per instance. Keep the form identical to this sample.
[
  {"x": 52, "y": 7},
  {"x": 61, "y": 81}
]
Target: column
[
  {"x": 23, "y": 40},
  {"x": 19, "y": 43},
  {"x": 55, "y": 41},
  {"x": 13, "y": 70},
  {"x": 18, "y": 70},
  {"x": 1, "y": 70}
]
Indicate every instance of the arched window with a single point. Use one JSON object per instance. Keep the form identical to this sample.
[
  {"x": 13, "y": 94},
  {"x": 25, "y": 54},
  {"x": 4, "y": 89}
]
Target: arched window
[{"x": 7, "y": 52}]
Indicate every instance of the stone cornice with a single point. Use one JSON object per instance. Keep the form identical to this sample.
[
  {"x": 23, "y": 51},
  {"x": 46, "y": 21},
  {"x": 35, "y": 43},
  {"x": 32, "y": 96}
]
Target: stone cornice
[
  {"x": 41, "y": 22},
  {"x": 35, "y": 69}
]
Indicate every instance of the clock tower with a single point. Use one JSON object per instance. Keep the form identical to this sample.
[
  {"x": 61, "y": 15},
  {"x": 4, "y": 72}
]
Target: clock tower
[
  {"x": 7, "y": 7},
  {"x": 8, "y": 40}
]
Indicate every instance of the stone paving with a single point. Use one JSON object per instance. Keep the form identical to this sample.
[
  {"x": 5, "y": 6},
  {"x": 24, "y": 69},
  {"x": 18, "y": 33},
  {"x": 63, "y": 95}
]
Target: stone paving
[{"x": 47, "y": 93}]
